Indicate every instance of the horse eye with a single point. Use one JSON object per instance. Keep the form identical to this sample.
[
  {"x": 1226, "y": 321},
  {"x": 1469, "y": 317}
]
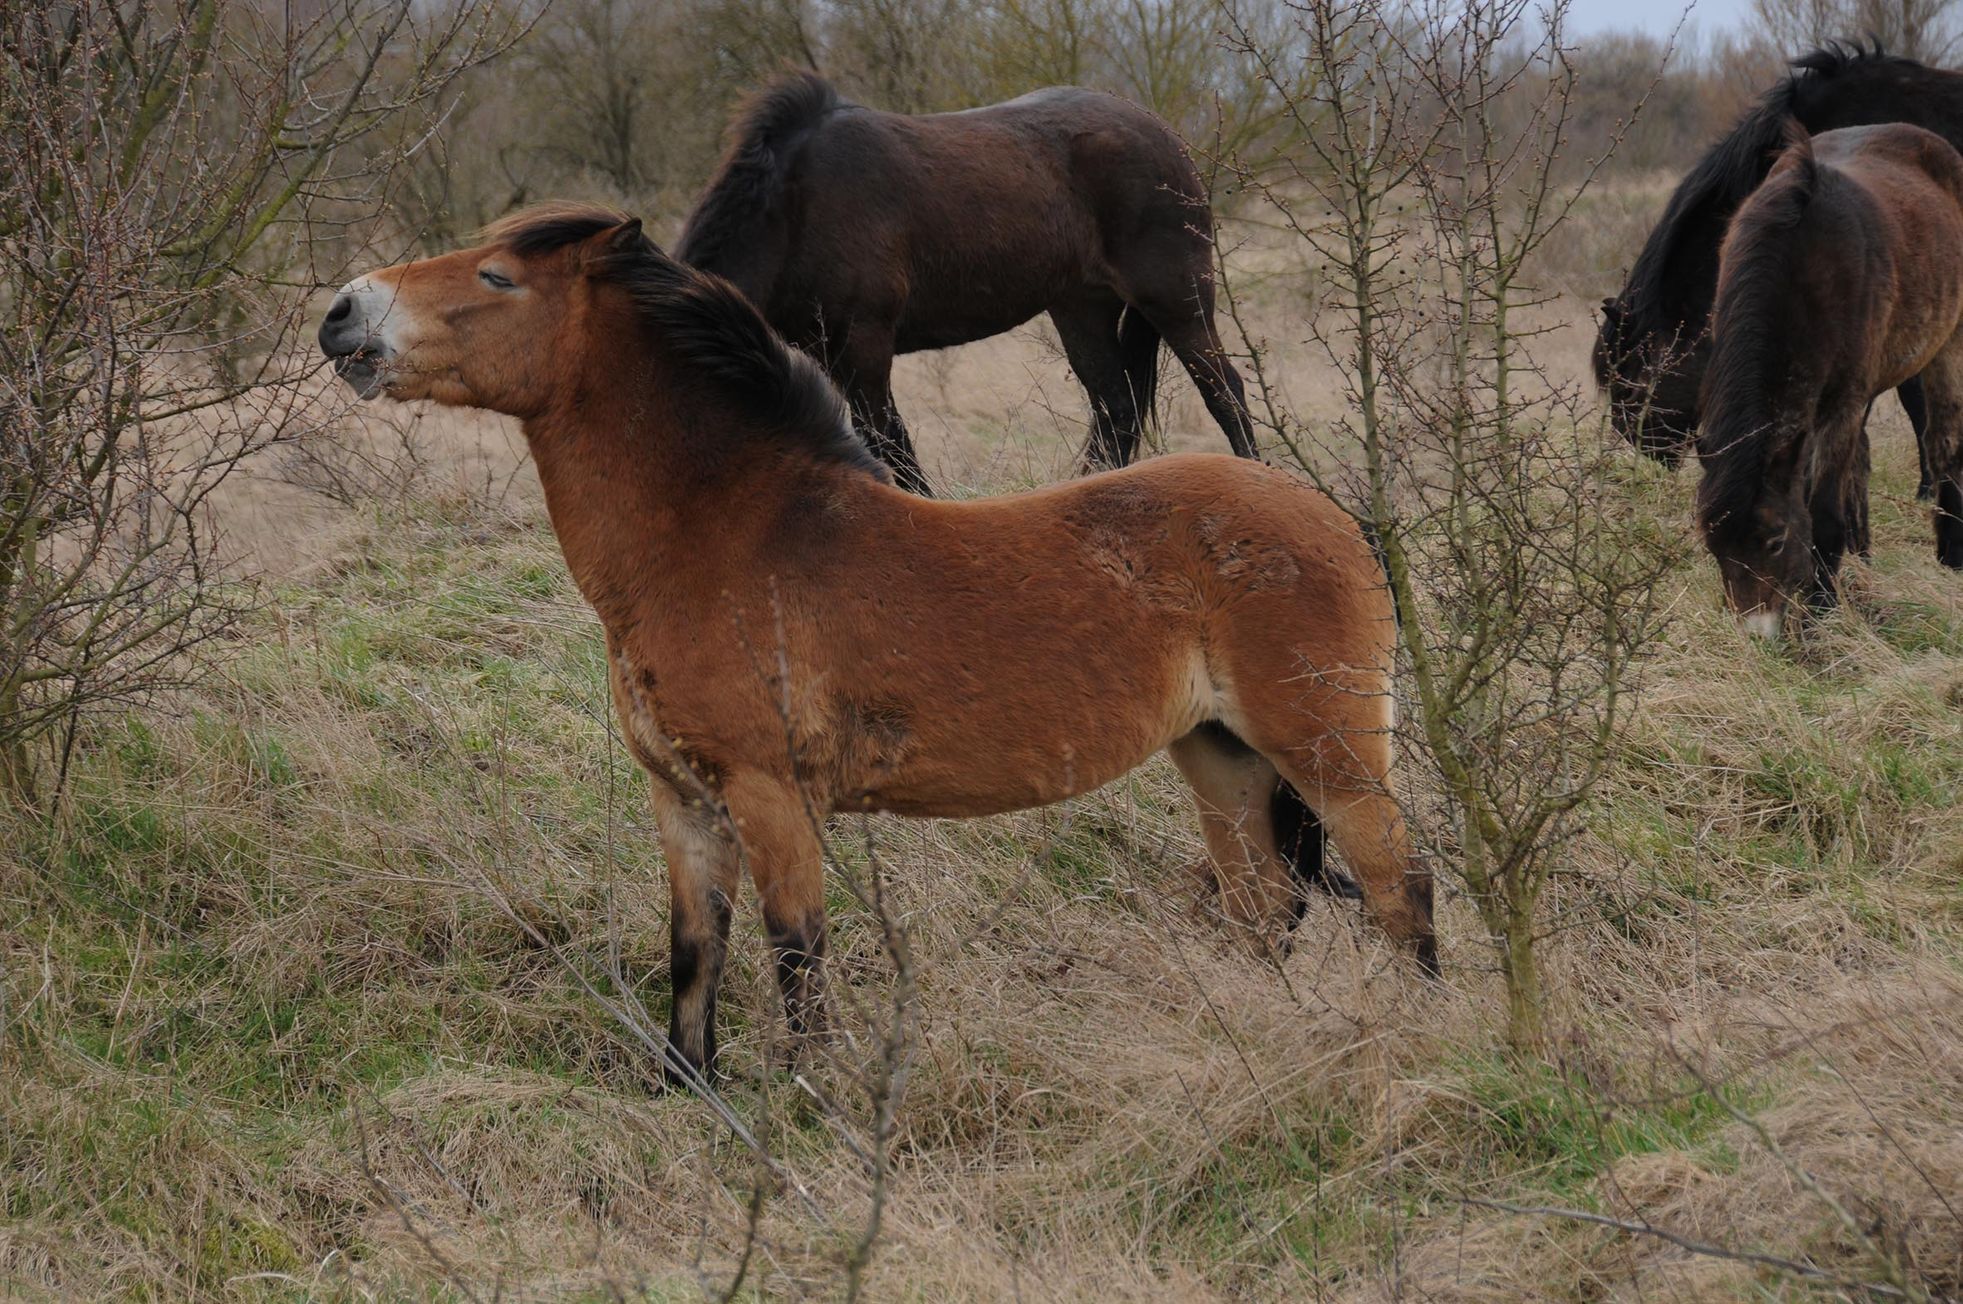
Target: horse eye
[{"x": 492, "y": 279}]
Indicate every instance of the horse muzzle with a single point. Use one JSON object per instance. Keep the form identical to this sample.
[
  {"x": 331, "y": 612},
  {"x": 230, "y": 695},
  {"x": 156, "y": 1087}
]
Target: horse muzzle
[
  {"x": 359, "y": 356},
  {"x": 1766, "y": 624}
]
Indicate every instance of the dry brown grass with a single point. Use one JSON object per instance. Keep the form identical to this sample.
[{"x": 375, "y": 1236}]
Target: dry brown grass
[{"x": 290, "y": 1010}]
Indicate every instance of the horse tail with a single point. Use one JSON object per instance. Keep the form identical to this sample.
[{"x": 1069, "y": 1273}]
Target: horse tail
[
  {"x": 1138, "y": 348},
  {"x": 1749, "y": 330},
  {"x": 737, "y": 229}
]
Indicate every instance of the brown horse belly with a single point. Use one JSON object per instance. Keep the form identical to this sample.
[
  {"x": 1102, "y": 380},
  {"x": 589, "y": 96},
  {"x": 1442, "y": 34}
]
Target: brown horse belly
[{"x": 1060, "y": 730}]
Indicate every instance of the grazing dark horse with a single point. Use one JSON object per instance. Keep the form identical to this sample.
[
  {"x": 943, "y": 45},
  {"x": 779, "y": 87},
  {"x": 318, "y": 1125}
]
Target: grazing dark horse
[
  {"x": 789, "y": 634},
  {"x": 1653, "y": 347},
  {"x": 863, "y": 234},
  {"x": 1842, "y": 276}
]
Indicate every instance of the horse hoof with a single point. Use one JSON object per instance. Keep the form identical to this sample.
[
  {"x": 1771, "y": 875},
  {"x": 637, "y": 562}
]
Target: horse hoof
[
  {"x": 1338, "y": 884},
  {"x": 677, "y": 1074}
]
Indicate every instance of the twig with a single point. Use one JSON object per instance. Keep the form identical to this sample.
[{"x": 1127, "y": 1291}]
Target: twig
[{"x": 1793, "y": 1266}]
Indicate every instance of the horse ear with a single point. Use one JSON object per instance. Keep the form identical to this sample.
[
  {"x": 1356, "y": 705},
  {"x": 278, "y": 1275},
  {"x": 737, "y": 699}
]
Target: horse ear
[
  {"x": 1611, "y": 309},
  {"x": 628, "y": 237}
]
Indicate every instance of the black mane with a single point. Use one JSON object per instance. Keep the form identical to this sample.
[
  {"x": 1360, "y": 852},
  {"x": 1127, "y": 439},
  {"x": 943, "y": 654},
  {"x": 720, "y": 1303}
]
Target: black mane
[
  {"x": 1653, "y": 302},
  {"x": 1753, "y": 333},
  {"x": 727, "y": 231},
  {"x": 708, "y": 325}
]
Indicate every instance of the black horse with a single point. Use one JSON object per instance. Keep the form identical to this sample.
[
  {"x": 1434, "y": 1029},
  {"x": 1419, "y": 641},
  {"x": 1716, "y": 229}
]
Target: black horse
[
  {"x": 1653, "y": 347},
  {"x": 863, "y": 234}
]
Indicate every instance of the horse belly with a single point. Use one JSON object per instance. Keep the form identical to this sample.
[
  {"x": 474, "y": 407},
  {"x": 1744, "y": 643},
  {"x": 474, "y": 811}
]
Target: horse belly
[
  {"x": 963, "y": 790},
  {"x": 984, "y": 301},
  {"x": 1059, "y": 729}
]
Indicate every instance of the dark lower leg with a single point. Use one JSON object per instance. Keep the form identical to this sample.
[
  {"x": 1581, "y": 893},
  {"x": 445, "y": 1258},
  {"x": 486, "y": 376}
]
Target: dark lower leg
[
  {"x": 1089, "y": 332},
  {"x": 1114, "y": 432},
  {"x": 1942, "y": 448},
  {"x": 1831, "y": 534},
  {"x": 1916, "y": 404},
  {"x": 1304, "y": 844},
  {"x": 700, "y": 939},
  {"x": 863, "y": 368},
  {"x": 1949, "y": 521},
  {"x": 1199, "y": 350},
  {"x": 799, "y": 948},
  {"x": 1860, "y": 538},
  {"x": 894, "y": 447}
]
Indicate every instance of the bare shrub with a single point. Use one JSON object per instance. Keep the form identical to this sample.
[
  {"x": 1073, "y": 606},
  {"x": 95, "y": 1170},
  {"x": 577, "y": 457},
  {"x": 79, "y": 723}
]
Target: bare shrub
[
  {"x": 1924, "y": 30},
  {"x": 159, "y": 167},
  {"x": 353, "y": 463}
]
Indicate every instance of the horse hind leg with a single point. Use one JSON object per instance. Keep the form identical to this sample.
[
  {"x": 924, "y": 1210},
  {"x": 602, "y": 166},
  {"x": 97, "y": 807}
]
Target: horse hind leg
[
  {"x": 1943, "y": 443},
  {"x": 1089, "y": 330},
  {"x": 1232, "y": 787},
  {"x": 1188, "y": 330}
]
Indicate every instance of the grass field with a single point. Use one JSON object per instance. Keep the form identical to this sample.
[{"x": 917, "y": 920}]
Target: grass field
[{"x": 325, "y": 981}]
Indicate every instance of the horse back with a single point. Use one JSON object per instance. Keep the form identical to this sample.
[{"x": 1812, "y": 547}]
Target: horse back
[
  {"x": 1882, "y": 243},
  {"x": 962, "y": 225}
]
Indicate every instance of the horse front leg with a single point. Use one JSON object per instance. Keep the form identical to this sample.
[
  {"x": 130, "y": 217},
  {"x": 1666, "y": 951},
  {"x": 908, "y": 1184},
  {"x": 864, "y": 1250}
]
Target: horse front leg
[
  {"x": 783, "y": 845},
  {"x": 703, "y": 867},
  {"x": 864, "y": 370}
]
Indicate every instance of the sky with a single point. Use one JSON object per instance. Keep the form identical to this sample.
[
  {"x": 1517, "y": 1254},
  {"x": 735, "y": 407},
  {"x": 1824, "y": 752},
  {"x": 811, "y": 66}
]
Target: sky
[{"x": 1654, "y": 16}]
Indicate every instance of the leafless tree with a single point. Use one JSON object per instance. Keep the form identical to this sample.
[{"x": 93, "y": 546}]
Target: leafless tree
[
  {"x": 1924, "y": 30},
  {"x": 172, "y": 183},
  {"x": 1525, "y": 596}
]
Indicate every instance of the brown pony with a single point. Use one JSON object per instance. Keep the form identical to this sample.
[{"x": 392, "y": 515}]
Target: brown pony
[
  {"x": 863, "y": 234},
  {"x": 791, "y": 635},
  {"x": 1841, "y": 277},
  {"x": 1654, "y": 346}
]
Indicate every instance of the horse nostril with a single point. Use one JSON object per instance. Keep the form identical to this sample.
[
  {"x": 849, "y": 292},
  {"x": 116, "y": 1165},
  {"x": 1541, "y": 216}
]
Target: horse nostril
[{"x": 343, "y": 305}]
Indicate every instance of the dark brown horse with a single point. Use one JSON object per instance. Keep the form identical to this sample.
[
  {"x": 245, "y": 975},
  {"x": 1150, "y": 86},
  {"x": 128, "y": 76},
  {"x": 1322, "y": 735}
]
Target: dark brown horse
[
  {"x": 1841, "y": 277},
  {"x": 1653, "y": 347},
  {"x": 790, "y": 635},
  {"x": 863, "y": 234}
]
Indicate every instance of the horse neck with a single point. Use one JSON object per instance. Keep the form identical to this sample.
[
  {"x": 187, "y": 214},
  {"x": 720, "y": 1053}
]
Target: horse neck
[
  {"x": 1674, "y": 281},
  {"x": 640, "y": 478},
  {"x": 746, "y": 246}
]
